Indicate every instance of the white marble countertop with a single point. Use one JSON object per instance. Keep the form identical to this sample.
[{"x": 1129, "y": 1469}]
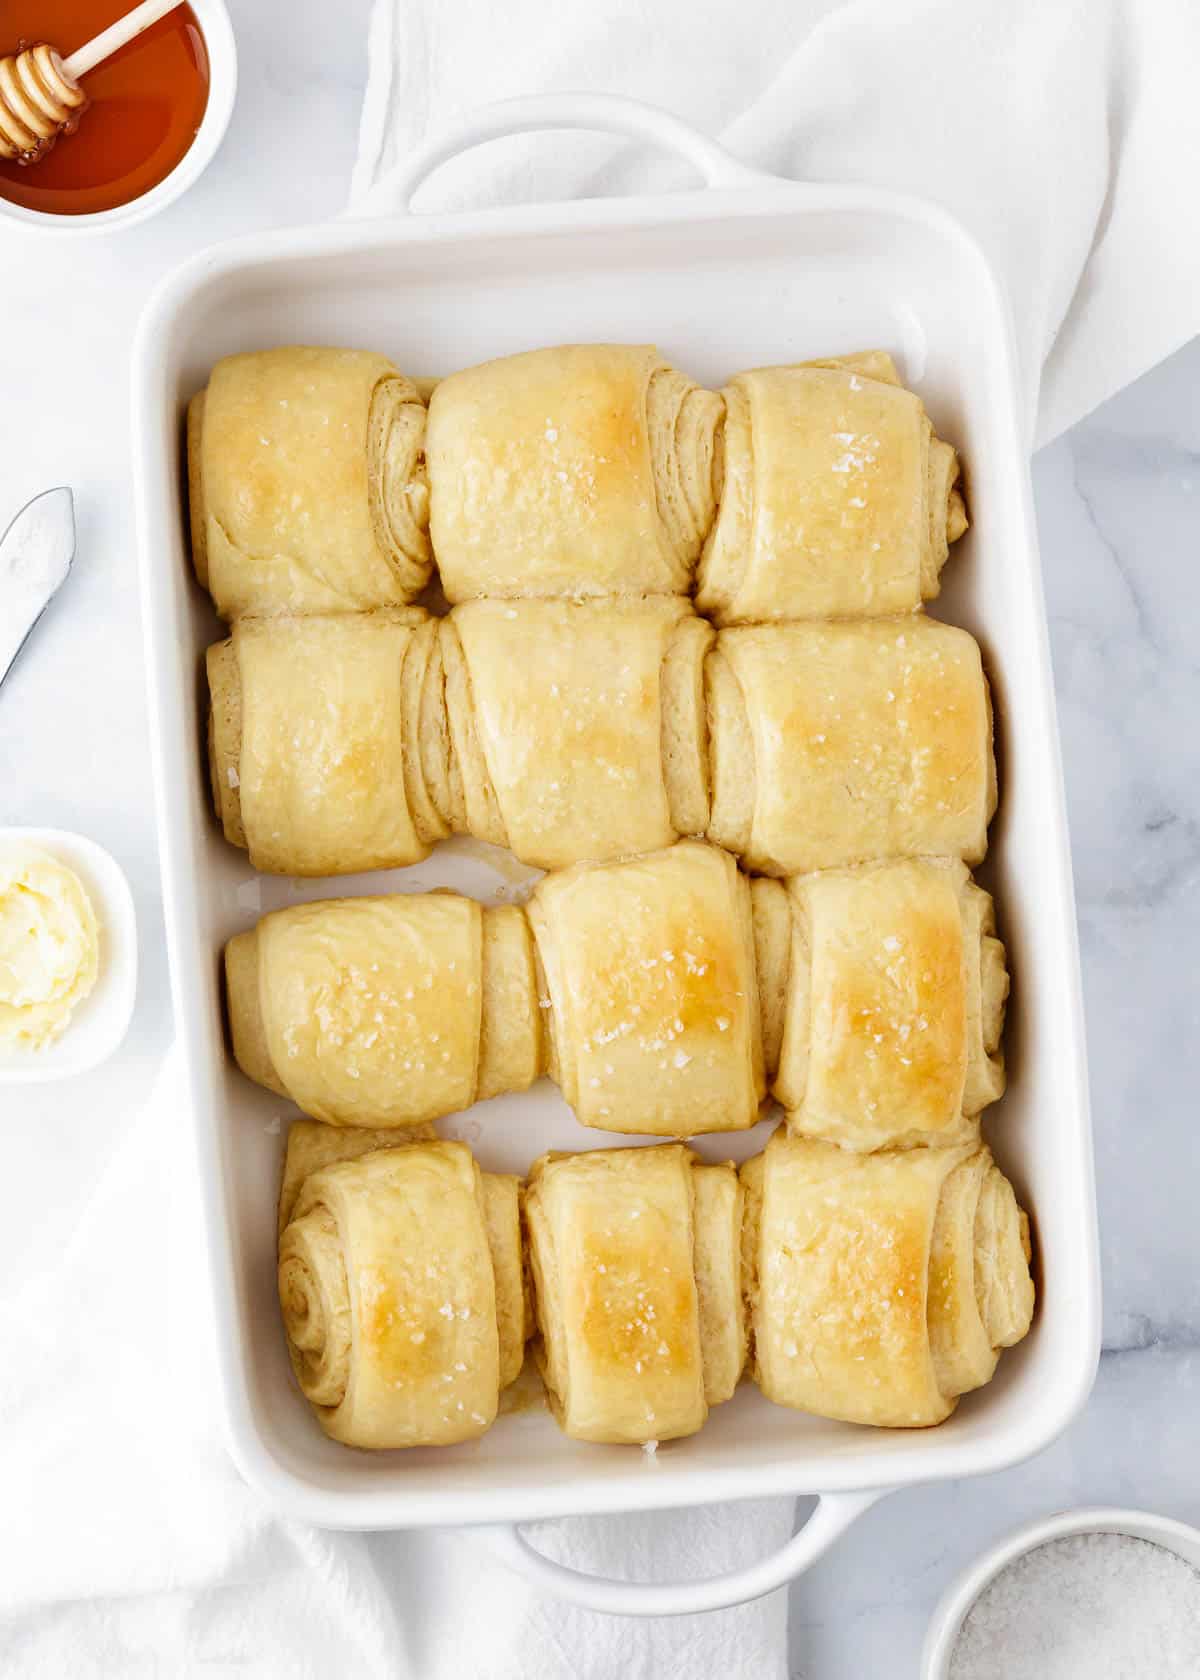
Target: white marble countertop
[{"x": 1118, "y": 504}]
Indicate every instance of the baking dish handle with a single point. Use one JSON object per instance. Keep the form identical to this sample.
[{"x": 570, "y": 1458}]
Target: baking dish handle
[
  {"x": 833, "y": 1515},
  {"x": 602, "y": 112}
]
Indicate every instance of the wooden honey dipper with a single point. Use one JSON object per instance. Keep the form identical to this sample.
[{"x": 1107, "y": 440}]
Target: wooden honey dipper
[{"x": 40, "y": 95}]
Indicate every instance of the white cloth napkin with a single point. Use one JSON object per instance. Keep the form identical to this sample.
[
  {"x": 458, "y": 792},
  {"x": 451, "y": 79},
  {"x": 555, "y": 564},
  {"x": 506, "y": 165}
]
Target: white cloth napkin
[
  {"x": 134, "y": 1549},
  {"x": 1063, "y": 135}
]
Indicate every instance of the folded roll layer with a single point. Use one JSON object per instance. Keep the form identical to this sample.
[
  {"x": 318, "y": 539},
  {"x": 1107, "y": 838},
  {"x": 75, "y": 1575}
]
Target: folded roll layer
[
  {"x": 664, "y": 993},
  {"x": 653, "y": 1014},
  {"x": 838, "y": 500},
  {"x": 386, "y": 1012},
  {"x": 717, "y": 1208},
  {"x": 306, "y": 474},
  {"x": 573, "y": 731},
  {"x": 318, "y": 766},
  {"x": 835, "y": 743},
  {"x": 502, "y": 1207},
  {"x": 640, "y": 999},
  {"x": 685, "y": 424},
  {"x": 771, "y": 918},
  {"x": 578, "y": 728},
  {"x": 312, "y": 1146},
  {"x": 581, "y": 470},
  {"x": 563, "y": 730},
  {"x": 893, "y": 989},
  {"x": 881, "y": 1287},
  {"x": 635, "y": 1265},
  {"x": 388, "y": 1290}
]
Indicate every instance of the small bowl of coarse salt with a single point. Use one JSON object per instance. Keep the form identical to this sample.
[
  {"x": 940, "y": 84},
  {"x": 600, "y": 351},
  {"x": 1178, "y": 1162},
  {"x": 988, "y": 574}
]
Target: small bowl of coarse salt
[{"x": 1095, "y": 1594}]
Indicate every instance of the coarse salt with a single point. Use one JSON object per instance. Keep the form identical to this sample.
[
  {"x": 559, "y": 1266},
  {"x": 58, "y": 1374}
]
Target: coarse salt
[{"x": 1086, "y": 1607}]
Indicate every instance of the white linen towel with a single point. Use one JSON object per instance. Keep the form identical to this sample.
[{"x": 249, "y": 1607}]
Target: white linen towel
[
  {"x": 140, "y": 1551},
  {"x": 1063, "y": 135}
]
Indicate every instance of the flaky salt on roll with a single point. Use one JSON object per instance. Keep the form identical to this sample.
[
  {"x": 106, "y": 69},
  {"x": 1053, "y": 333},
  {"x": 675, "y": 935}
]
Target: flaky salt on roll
[
  {"x": 386, "y": 1012},
  {"x": 639, "y": 999},
  {"x": 400, "y": 1294},
  {"x": 664, "y": 993},
  {"x": 588, "y": 469},
  {"x": 306, "y": 475},
  {"x": 578, "y": 727},
  {"x": 562, "y": 730},
  {"x": 834, "y": 743},
  {"x": 839, "y": 500},
  {"x": 327, "y": 745},
  {"x": 636, "y": 1269},
  {"x": 653, "y": 1013},
  {"x": 883, "y": 989},
  {"x": 881, "y": 1287}
]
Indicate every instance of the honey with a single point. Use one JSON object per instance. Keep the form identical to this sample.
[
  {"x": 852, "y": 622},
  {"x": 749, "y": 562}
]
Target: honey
[{"x": 145, "y": 105}]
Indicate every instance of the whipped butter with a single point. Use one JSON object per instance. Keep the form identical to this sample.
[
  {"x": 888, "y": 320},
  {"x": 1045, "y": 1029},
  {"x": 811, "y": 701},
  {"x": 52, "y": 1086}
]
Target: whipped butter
[{"x": 49, "y": 946}]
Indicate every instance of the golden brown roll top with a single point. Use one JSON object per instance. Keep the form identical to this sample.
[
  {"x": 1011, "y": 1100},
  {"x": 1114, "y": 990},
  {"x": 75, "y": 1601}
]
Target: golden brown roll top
[
  {"x": 327, "y": 741},
  {"x": 391, "y": 1011},
  {"x": 835, "y": 743},
  {"x": 881, "y": 1287},
  {"x": 578, "y": 728},
  {"x": 306, "y": 473},
  {"x": 312, "y": 1146},
  {"x": 316, "y": 474},
  {"x": 573, "y": 731},
  {"x": 394, "y": 1303},
  {"x": 673, "y": 992},
  {"x": 582, "y": 470},
  {"x": 838, "y": 499},
  {"x": 386, "y": 1012},
  {"x": 648, "y": 969},
  {"x": 635, "y": 1264},
  {"x": 562, "y": 730},
  {"x": 874, "y": 1288},
  {"x": 893, "y": 989}
]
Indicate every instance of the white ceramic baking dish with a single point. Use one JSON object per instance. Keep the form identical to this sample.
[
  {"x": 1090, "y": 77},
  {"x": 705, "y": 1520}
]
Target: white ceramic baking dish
[{"x": 750, "y": 270}]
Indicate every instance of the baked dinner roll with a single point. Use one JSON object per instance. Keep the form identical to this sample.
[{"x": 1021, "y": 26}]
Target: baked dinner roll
[
  {"x": 320, "y": 743},
  {"x": 838, "y": 499},
  {"x": 834, "y": 743},
  {"x": 635, "y": 1262},
  {"x": 390, "y": 1011},
  {"x": 653, "y": 1022},
  {"x": 388, "y": 1288},
  {"x": 306, "y": 475},
  {"x": 311, "y": 1146},
  {"x": 892, "y": 988},
  {"x": 881, "y": 1287},
  {"x": 578, "y": 728},
  {"x": 585, "y": 470},
  {"x": 386, "y": 1012}
]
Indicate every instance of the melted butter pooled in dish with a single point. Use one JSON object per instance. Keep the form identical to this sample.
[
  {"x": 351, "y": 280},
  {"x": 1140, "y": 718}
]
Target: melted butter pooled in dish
[{"x": 49, "y": 947}]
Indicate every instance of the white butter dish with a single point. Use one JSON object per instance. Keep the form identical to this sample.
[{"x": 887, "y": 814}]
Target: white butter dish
[{"x": 100, "y": 1021}]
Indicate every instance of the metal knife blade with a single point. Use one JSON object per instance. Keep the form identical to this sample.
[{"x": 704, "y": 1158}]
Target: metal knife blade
[{"x": 35, "y": 556}]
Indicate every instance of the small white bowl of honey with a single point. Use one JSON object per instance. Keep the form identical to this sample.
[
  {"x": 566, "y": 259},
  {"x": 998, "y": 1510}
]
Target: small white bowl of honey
[{"x": 156, "y": 111}]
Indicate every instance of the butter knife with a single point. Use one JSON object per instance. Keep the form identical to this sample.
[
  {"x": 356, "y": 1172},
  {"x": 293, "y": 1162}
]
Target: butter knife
[{"x": 35, "y": 556}]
